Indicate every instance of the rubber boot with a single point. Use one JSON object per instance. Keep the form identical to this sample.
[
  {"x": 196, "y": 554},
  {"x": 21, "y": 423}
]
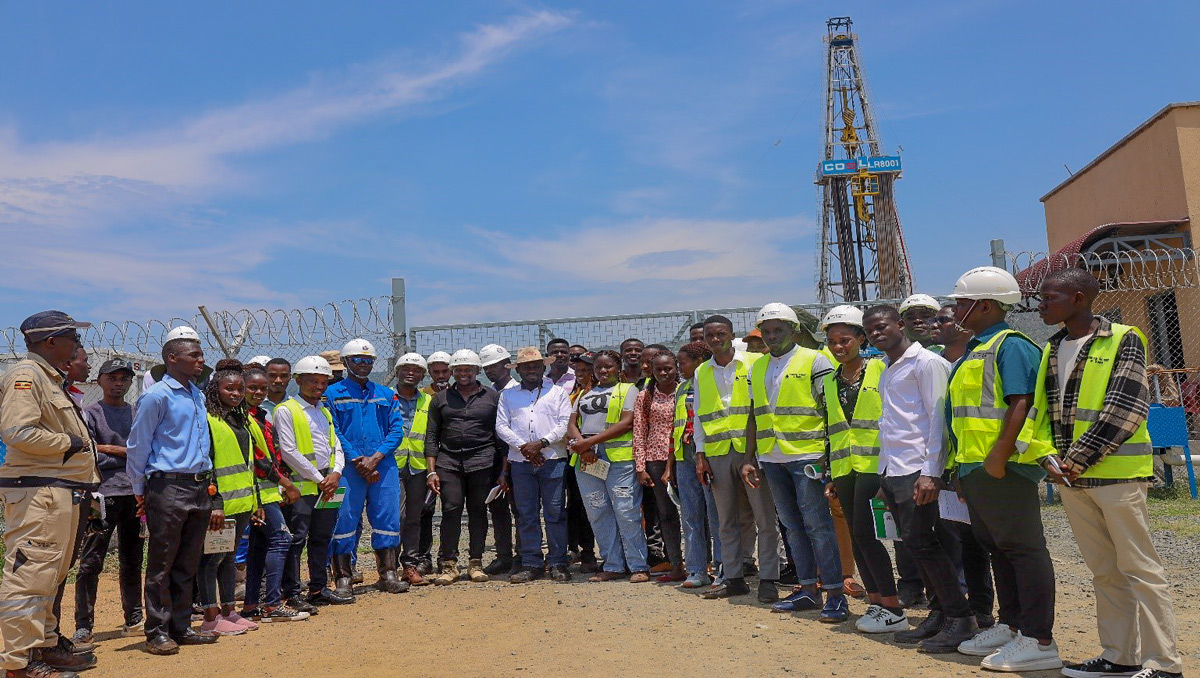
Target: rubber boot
[
  {"x": 388, "y": 581},
  {"x": 343, "y": 585}
]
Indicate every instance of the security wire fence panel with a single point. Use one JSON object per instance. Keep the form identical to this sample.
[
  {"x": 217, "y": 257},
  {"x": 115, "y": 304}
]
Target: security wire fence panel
[{"x": 1157, "y": 291}]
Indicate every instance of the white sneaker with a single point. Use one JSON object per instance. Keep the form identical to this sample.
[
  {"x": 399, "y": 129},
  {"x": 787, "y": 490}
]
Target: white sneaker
[
  {"x": 880, "y": 620},
  {"x": 988, "y": 641},
  {"x": 1023, "y": 654}
]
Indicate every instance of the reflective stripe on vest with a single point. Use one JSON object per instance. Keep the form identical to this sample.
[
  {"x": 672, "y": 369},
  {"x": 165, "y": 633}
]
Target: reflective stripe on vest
[
  {"x": 724, "y": 426},
  {"x": 620, "y": 448},
  {"x": 412, "y": 448},
  {"x": 854, "y": 444},
  {"x": 268, "y": 492},
  {"x": 304, "y": 442},
  {"x": 235, "y": 476},
  {"x": 681, "y": 394},
  {"x": 795, "y": 423},
  {"x": 977, "y": 401}
]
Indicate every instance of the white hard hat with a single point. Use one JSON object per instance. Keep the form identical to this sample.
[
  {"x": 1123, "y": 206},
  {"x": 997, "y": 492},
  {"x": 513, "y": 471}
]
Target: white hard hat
[
  {"x": 988, "y": 282},
  {"x": 776, "y": 311},
  {"x": 920, "y": 301},
  {"x": 493, "y": 353},
  {"x": 438, "y": 357},
  {"x": 465, "y": 356},
  {"x": 740, "y": 345},
  {"x": 182, "y": 332},
  {"x": 313, "y": 364},
  {"x": 848, "y": 315},
  {"x": 259, "y": 360},
  {"x": 358, "y": 347},
  {"x": 412, "y": 359}
]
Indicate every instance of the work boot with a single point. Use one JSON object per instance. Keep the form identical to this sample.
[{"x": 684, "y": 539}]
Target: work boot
[
  {"x": 926, "y": 629},
  {"x": 413, "y": 576},
  {"x": 63, "y": 658},
  {"x": 475, "y": 571},
  {"x": 356, "y": 575},
  {"x": 39, "y": 669},
  {"x": 343, "y": 582},
  {"x": 499, "y": 566},
  {"x": 388, "y": 581},
  {"x": 955, "y": 630},
  {"x": 448, "y": 574}
]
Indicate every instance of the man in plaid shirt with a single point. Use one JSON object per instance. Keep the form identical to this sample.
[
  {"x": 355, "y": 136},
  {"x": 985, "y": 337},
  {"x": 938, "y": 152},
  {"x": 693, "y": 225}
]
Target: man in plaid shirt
[{"x": 1107, "y": 467}]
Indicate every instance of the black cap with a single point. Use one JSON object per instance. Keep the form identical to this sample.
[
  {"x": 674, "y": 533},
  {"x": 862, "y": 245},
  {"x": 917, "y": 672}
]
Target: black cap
[
  {"x": 116, "y": 365},
  {"x": 589, "y": 358},
  {"x": 46, "y": 324}
]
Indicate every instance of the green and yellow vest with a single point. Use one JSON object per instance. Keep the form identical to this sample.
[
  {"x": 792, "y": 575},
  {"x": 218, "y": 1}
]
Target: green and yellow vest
[{"x": 854, "y": 444}]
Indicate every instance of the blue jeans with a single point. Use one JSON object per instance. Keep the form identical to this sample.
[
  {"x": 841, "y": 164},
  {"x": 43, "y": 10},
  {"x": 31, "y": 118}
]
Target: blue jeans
[
  {"x": 614, "y": 508},
  {"x": 266, "y": 553},
  {"x": 541, "y": 490},
  {"x": 802, "y": 508},
  {"x": 697, "y": 506}
]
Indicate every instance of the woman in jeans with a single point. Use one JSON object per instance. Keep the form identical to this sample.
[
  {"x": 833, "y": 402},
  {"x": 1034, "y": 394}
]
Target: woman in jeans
[
  {"x": 269, "y": 540},
  {"x": 600, "y": 428},
  {"x": 852, "y": 391},
  {"x": 654, "y": 458},
  {"x": 698, "y": 506}
]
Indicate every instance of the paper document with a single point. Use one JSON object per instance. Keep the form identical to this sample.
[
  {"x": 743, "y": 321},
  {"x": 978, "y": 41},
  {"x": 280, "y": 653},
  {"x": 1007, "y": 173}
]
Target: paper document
[
  {"x": 223, "y": 540},
  {"x": 495, "y": 494},
  {"x": 334, "y": 502},
  {"x": 598, "y": 469},
  {"x": 950, "y": 507},
  {"x": 885, "y": 524}
]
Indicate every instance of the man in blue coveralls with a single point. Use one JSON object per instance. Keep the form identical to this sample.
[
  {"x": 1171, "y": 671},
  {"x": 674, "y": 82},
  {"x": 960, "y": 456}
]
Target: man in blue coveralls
[{"x": 369, "y": 423}]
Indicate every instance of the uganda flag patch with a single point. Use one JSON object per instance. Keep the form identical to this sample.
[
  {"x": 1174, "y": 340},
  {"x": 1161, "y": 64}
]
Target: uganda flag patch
[{"x": 22, "y": 385}]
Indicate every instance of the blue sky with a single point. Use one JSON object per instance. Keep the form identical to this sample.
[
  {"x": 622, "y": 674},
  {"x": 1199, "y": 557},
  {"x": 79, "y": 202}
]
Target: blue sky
[{"x": 518, "y": 160}]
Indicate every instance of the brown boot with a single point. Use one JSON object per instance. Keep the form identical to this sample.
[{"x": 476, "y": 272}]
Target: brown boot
[
  {"x": 39, "y": 669},
  {"x": 448, "y": 574},
  {"x": 414, "y": 578},
  {"x": 63, "y": 658}
]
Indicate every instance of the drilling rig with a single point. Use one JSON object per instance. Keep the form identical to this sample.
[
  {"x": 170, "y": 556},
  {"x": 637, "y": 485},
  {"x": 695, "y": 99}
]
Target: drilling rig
[{"x": 863, "y": 255}]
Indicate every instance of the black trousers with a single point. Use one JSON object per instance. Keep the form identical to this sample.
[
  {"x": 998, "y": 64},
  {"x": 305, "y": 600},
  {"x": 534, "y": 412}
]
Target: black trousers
[
  {"x": 1006, "y": 517},
  {"x": 503, "y": 512},
  {"x": 425, "y": 543},
  {"x": 120, "y": 515},
  {"x": 177, "y": 517},
  {"x": 311, "y": 527},
  {"x": 908, "y": 574},
  {"x": 668, "y": 515},
  {"x": 655, "y": 551},
  {"x": 579, "y": 530},
  {"x": 855, "y": 491},
  {"x": 917, "y": 526},
  {"x": 965, "y": 551},
  {"x": 414, "y": 507},
  {"x": 461, "y": 489}
]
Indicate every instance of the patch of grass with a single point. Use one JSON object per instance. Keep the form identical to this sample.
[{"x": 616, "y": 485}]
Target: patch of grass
[{"x": 1173, "y": 509}]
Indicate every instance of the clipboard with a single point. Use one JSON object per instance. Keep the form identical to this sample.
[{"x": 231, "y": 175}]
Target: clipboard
[
  {"x": 885, "y": 523},
  {"x": 334, "y": 502}
]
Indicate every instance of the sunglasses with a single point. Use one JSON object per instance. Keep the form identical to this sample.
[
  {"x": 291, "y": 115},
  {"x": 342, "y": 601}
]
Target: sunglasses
[{"x": 361, "y": 360}]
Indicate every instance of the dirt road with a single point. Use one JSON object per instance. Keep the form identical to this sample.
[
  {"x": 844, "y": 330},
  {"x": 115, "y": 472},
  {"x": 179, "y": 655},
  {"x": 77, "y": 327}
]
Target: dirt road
[{"x": 581, "y": 629}]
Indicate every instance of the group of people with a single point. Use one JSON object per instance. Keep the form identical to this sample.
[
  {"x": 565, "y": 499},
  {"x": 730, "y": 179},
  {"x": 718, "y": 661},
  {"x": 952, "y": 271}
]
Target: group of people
[{"x": 767, "y": 456}]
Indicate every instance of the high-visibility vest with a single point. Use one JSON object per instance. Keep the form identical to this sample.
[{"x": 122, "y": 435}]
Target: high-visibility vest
[
  {"x": 977, "y": 402},
  {"x": 854, "y": 444},
  {"x": 724, "y": 427},
  {"x": 412, "y": 448},
  {"x": 1134, "y": 457},
  {"x": 234, "y": 474},
  {"x": 681, "y": 394},
  {"x": 618, "y": 449},
  {"x": 304, "y": 442},
  {"x": 794, "y": 423},
  {"x": 268, "y": 492}
]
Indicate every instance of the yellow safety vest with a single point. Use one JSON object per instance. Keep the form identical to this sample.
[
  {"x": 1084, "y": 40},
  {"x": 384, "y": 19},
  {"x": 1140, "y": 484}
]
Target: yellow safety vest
[
  {"x": 854, "y": 444},
  {"x": 1133, "y": 458},
  {"x": 234, "y": 474},
  {"x": 412, "y": 448},
  {"x": 724, "y": 427},
  {"x": 268, "y": 492},
  {"x": 618, "y": 449},
  {"x": 977, "y": 402},
  {"x": 304, "y": 442},
  {"x": 795, "y": 423},
  {"x": 681, "y": 417}
]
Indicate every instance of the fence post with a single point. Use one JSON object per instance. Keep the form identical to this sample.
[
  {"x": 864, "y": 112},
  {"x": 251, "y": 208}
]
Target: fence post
[
  {"x": 999, "y": 256},
  {"x": 399, "y": 325}
]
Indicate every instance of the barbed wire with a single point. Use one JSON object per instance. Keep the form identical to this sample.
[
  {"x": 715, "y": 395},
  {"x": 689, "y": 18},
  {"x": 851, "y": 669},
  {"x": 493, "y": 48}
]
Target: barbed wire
[{"x": 1120, "y": 271}]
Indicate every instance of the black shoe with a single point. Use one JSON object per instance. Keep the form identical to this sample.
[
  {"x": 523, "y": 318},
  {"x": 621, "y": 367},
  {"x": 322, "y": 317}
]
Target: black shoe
[
  {"x": 501, "y": 566},
  {"x": 911, "y": 597},
  {"x": 588, "y": 566},
  {"x": 161, "y": 645},
  {"x": 525, "y": 575},
  {"x": 926, "y": 629},
  {"x": 1098, "y": 668},
  {"x": 731, "y": 587},
  {"x": 1157, "y": 673},
  {"x": 750, "y": 569},
  {"x": 787, "y": 576},
  {"x": 327, "y": 597},
  {"x": 954, "y": 631},
  {"x": 196, "y": 638},
  {"x": 300, "y": 605},
  {"x": 62, "y": 657},
  {"x": 559, "y": 573},
  {"x": 984, "y": 620},
  {"x": 425, "y": 567},
  {"x": 767, "y": 593}
]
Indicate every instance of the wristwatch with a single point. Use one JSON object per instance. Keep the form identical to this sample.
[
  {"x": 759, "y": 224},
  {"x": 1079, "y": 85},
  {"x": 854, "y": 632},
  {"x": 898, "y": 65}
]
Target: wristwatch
[{"x": 543, "y": 442}]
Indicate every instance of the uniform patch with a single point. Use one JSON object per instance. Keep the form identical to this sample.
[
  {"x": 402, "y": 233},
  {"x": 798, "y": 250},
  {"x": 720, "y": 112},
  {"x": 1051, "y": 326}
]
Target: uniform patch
[{"x": 22, "y": 385}]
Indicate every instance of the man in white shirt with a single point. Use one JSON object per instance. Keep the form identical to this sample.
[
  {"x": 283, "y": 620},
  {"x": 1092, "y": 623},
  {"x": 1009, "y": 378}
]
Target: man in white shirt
[
  {"x": 532, "y": 420},
  {"x": 305, "y": 438},
  {"x": 912, "y": 457}
]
